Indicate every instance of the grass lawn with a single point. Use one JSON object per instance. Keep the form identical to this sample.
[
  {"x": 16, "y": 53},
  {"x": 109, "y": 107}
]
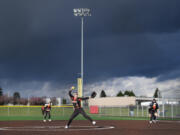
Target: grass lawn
[{"x": 64, "y": 113}]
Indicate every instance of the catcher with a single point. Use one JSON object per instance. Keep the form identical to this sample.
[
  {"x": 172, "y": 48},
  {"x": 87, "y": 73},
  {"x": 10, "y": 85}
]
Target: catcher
[
  {"x": 153, "y": 111},
  {"x": 46, "y": 111},
  {"x": 77, "y": 106}
]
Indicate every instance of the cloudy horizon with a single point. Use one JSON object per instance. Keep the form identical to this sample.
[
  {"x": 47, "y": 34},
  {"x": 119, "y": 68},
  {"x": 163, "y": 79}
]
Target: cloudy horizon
[{"x": 141, "y": 86}]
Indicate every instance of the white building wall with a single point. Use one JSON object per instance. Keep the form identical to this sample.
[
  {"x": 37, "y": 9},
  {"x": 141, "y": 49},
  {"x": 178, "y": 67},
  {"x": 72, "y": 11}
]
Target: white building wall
[{"x": 112, "y": 101}]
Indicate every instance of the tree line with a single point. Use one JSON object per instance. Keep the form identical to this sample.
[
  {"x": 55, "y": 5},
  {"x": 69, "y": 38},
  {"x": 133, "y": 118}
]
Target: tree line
[
  {"x": 130, "y": 93},
  {"x": 16, "y": 99}
]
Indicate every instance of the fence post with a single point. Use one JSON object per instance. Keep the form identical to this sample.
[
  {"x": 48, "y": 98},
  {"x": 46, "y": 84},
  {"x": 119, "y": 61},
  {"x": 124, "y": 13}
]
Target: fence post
[
  {"x": 105, "y": 111},
  {"x": 128, "y": 111},
  {"x": 28, "y": 110},
  {"x": 8, "y": 110},
  {"x": 147, "y": 112},
  {"x": 99, "y": 110},
  {"x": 8, "y": 104},
  {"x": 172, "y": 112},
  {"x": 142, "y": 111},
  {"x": 63, "y": 111},
  {"x": 163, "y": 108},
  {"x": 137, "y": 111},
  {"x": 28, "y": 106},
  {"x": 120, "y": 112}
]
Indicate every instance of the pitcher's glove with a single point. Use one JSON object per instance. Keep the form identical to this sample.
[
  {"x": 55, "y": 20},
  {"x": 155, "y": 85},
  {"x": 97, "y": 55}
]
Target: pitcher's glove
[{"x": 93, "y": 95}]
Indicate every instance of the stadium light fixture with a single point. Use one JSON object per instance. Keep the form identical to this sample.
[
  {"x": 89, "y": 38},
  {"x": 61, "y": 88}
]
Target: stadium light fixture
[{"x": 82, "y": 12}]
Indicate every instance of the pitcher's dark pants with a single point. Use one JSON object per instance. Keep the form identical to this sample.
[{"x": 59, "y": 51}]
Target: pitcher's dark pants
[
  {"x": 153, "y": 116},
  {"x": 76, "y": 112},
  {"x": 47, "y": 113}
]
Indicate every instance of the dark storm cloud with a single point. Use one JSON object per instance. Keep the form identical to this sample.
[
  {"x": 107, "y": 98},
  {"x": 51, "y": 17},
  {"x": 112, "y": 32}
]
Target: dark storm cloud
[
  {"x": 136, "y": 16},
  {"x": 132, "y": 55},
  {"x": 40, "y": 40},
  {"x": 32, "y": 41}
]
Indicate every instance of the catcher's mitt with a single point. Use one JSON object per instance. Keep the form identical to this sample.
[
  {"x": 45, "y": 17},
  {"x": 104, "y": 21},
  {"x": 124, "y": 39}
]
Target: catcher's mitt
[{"x": 93, "y": 95}]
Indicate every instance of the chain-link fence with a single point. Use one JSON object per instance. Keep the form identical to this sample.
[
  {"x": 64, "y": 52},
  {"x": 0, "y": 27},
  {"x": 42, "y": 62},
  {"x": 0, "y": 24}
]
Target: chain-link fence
[
  {"x": 167, "y": 109},
  {"x": 134, "y": 111},
  {"x": 33, "y": 111}
]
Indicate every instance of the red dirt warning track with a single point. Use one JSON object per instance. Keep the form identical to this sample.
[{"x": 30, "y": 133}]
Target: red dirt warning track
[{"x": 83, "y": 127}]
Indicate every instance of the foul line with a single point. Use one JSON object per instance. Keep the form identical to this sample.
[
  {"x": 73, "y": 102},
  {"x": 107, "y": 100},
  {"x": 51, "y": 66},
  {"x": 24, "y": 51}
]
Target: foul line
[{"x": 56, "y": 128}]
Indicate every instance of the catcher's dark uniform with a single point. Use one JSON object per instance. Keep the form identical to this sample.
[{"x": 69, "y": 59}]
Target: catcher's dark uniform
[
  {"x": 77, "y": 108},
  {"x": 153, "y": 109}
]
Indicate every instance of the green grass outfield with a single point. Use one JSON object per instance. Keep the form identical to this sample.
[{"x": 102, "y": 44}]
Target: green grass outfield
[{"x": 8, "y": 113}]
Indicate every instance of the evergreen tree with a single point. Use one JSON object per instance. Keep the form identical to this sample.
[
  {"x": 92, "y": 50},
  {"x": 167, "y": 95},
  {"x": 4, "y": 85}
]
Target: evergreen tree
[
  {"x": 120, "y": 94},
  {"x": 1, "y": 91},
  {"x": 129, "y": 93},
  {"x": 132, "y": 94},
  {"x": 126, "y": 93},
  {"x": 156, "y": 93},
  {"x": 103, "y": 94}
]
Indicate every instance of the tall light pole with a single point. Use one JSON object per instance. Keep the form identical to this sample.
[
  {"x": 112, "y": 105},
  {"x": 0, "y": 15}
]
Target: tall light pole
[{"x": 82, "y": 12}]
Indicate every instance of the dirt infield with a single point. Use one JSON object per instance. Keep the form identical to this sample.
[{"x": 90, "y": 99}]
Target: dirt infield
[{"x": 83, "y": 127}]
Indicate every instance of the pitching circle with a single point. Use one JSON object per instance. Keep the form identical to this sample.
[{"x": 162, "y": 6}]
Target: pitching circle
[{"x": 55, "y": 128}]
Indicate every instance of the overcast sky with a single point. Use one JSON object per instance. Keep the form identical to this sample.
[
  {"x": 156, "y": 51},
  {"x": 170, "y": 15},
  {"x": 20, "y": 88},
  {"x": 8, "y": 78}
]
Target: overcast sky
[{"x": 128, "y": 44}]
